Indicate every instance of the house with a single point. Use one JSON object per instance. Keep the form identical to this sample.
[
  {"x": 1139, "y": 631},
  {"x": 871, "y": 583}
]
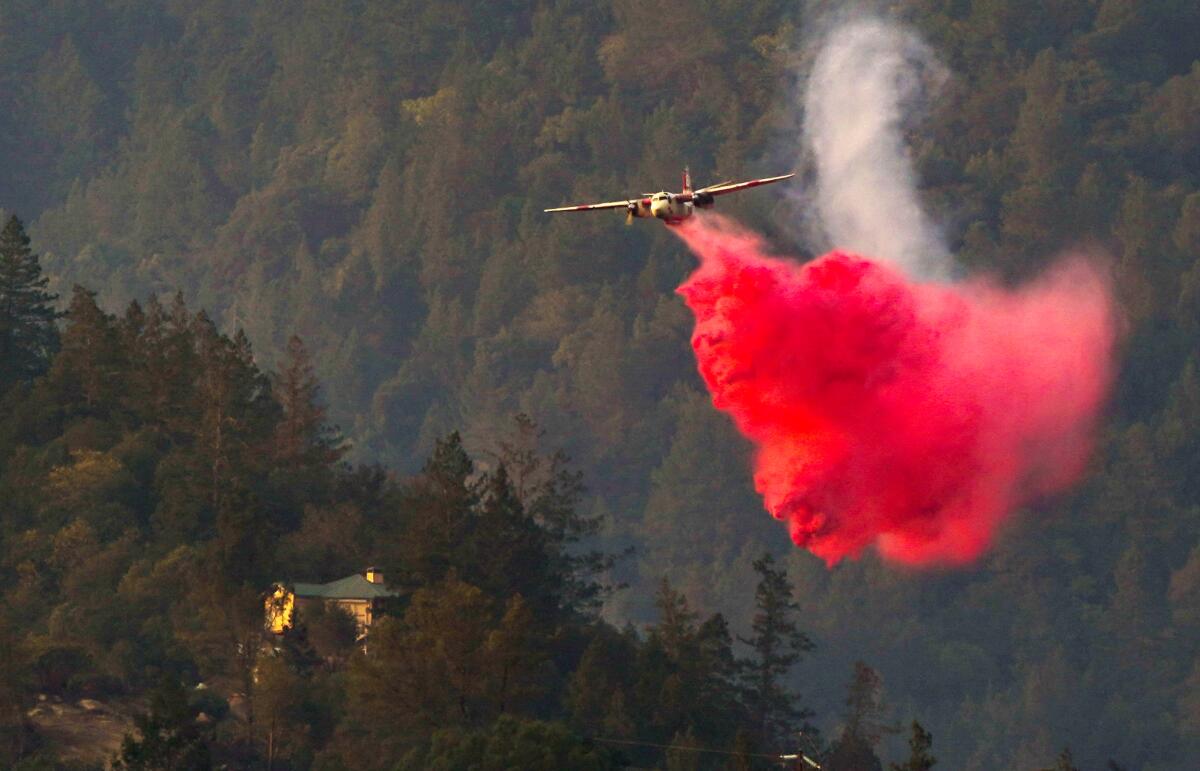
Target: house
[{"x": 359, "y": 595}]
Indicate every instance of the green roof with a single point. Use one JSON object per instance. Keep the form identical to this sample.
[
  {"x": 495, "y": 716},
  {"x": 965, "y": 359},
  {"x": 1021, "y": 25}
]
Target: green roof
[{"x": 354, "y": 587}]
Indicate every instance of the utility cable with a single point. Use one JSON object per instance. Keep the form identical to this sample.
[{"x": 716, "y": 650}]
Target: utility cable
[{"x": 684, "y": 747}]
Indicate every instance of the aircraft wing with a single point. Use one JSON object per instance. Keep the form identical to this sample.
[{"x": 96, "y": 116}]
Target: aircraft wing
[
  {"x": 733, "y": 187},
  {"x": 590, "y": 206}
]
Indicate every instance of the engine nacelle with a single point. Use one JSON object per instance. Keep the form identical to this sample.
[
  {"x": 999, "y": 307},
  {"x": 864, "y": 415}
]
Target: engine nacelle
[{"x": 704, "y": 200}]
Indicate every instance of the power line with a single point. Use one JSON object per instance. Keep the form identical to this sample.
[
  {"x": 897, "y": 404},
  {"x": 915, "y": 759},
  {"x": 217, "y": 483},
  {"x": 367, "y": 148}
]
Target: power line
[
  {"x": 682, "y": 747},
  {"x": 770, "y": 756}
]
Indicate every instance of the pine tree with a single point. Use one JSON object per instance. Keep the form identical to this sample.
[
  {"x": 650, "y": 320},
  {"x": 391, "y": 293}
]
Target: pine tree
[
  {"x": 919, "y": 744},
  {"x": 864, "y": 727},
  {"x": 28, "y": 335},
  {"x": 507, "y": 553},
  {"x": 865, "y": 709},
  {"x": 683, "y": 754},
  {"x": 91, "y": 365},
  {"x": 598, "y": 693},
  {"x": 234, "y": 416},
  {"x": 677, "y": 621},
  {"x": 163, "y": 347},
  {"x": 551, "y": 492},
  {"x": 685, "y": 672},
  {"x": 435, "y": 516},
  {"x": 303, "y": 440},
  {"x": 304, "y": 449},
  {"x": 777, "y": 645}
]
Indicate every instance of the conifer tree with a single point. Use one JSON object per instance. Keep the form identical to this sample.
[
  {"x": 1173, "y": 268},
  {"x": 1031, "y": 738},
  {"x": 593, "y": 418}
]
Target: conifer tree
[
  {"x": 91, "y": 362},
  {"x": 551, "y": 492},
  {"x": 685, "y": 672},
  {"x": 163, "y": 346},
  {"x": 919, "y": 745},
  {"x": 864, "y": 727},
  {"x": 28, "y": 335},
  {"x": 304, "y": 449},
  {"x": 507, "y": 552},
  {"x": 677, "y": 621},
  {"x": 599, "y": 690},
  {"x": 230, "y": 418},
  {"x": 865, "y": 709},
  {"x": 777, "y": 645},
  {"x": 449, "y": 471},
  {"x": 435, "y": 516},
  {"x": 303, "y": 441}
]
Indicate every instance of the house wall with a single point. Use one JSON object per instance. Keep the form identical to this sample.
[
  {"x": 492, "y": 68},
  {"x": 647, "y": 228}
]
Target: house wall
[{"x": 360, "y": 610}]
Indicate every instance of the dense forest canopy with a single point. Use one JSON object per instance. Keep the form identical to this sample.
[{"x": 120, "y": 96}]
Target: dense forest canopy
[{"x": 370, "y": 176}]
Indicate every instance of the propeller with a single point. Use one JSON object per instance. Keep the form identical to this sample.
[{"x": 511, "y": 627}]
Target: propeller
[{"x": 629, "y": 213}]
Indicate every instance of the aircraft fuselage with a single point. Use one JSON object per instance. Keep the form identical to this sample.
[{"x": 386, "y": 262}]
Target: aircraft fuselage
[
  {"x": 672, "y": 208},
  {"x": 667, "y": 207}
]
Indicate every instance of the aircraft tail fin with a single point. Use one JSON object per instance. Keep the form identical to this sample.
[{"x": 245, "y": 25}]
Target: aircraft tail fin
[{"x": 687, "y": 180}]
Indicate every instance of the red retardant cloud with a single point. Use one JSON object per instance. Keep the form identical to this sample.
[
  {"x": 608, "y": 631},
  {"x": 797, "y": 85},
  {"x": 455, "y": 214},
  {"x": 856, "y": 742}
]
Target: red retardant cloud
[{"x": 913, "y": 416}]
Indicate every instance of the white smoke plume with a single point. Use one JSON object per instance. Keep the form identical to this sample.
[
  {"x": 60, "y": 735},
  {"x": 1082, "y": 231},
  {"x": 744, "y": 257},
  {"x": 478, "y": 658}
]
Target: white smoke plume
[{"x": 868, "y": 76}]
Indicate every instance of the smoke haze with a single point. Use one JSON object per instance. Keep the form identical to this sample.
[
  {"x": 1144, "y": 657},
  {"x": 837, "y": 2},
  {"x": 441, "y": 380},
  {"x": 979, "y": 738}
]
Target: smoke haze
[{"x": 867, "y": 76}]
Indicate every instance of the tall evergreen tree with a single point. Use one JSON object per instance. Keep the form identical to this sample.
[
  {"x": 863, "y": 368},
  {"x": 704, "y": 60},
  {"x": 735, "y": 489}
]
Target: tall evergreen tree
[
  {"x": 162, "y": 342},
  {"x": 303, "y": 440},
  {"x": 235, "y": 418},
  {"x": 685, "y": 672},
  {"x": 507, "y": 553},
  {"x": 865, "y": 709},
  {"x": 304, "y": 448},
  {"x": 91, "y": 366},
  {"x": 435, "y": 515},
  {"x": 28, "y": 335},
  {"x": 919, "y": 745},
  {"x": 777, "y": 645},
  {"x": 551, "y": 493},
  {"x": 863, "y": 727}
]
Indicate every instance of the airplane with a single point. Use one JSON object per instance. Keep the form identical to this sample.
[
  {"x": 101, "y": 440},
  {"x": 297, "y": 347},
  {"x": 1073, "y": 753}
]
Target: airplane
[{"x": 674, "y": 208}]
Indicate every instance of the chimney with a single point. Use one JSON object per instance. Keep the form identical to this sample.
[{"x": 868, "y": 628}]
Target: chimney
[{"x": 374, "y": 575}]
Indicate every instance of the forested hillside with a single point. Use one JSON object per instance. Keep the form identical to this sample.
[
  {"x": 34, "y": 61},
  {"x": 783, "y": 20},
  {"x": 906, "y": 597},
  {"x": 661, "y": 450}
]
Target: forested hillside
[
  {"x": 370, "y": 176},
  {"x": 158, "y": 483}
]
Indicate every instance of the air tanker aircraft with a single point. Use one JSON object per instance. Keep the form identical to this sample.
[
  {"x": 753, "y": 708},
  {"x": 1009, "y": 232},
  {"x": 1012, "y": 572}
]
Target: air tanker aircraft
[{"x": 673, "y": 208}]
